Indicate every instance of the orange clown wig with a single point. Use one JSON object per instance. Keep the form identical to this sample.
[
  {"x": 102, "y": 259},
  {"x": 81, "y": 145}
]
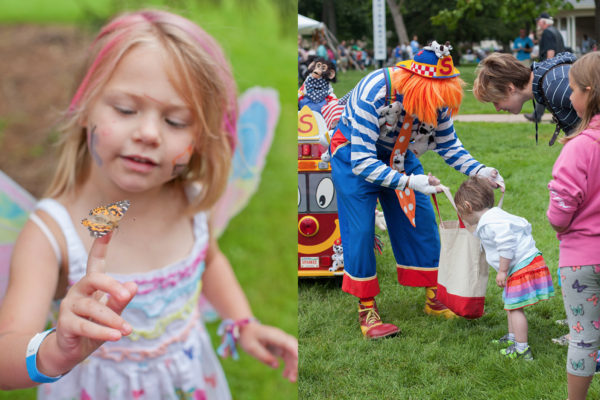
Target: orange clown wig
[{"x": 429, "y": 83}]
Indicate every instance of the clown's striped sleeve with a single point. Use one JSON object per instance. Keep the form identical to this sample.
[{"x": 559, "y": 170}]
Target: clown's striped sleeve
[
  {"x": 449, "y": 147},
  {"x": 360, "y": 124}
]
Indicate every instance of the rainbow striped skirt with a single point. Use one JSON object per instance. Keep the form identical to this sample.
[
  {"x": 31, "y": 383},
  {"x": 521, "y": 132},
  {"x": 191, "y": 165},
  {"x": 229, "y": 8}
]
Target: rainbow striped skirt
[{"x": 528, "y": 286}]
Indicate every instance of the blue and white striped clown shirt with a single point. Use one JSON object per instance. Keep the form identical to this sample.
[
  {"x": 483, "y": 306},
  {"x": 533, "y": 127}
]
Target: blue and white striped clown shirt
[{"x": 360, "y": 125}]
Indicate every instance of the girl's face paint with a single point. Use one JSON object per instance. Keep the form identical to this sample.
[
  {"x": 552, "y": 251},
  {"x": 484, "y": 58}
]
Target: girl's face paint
[
  {"x": 181, "y": 161},
  {"x": 93, "y": 143}
]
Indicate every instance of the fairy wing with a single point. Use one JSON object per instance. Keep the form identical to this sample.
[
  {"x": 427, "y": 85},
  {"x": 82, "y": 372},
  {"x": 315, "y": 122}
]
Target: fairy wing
[
  {"x": 258, "y": 114},
  {"x": 15, "y": 206}
]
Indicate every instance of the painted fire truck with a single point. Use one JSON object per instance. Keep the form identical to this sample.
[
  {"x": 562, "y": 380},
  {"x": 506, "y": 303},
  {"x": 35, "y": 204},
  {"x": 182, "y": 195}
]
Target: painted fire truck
[{"x": 319, "y": 246}]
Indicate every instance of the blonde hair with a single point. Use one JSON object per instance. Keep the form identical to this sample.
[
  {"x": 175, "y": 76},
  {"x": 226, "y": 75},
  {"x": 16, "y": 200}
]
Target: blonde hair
[
  {"x": 424, "y": 97},
  {"x": 201, "y": 75},
  {"x": 493, "y": 75},
  {"x": 477, "y": 192},
  {"x": 585, "y": 74}
]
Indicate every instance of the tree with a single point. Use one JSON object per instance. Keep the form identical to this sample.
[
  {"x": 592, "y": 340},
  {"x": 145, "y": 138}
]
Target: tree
[
  {"x": 329, "y": 16},
  {"x": 506, "y": 12},
  {"x": 398, "y": 20},
  {"x": 353, "y": 18}
]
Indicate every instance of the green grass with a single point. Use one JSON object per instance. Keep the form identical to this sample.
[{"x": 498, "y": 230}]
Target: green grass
[
  {"x": 470, "y": 105},
  {"x": 261, "y": 241},
  {"x": 347, "y": 80},
  {"x": 45, "y": 11},
  {"x": 436, "y": 358}
]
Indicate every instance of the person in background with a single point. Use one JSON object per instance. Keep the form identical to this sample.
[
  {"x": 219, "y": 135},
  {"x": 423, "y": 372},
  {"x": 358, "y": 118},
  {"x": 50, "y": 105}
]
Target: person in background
[
  {"x": 343, "y": 56},
  {"x": 397, "y": 54},
  {"x": 302, "y": 53},
  {"x": 587, "y": 44},
  {"x": 408, "y": 53},
  {"x": 522, "y": 47},
  {"x": 322, "y": 49},
  {"x": 551, "y": 43},
  {"x": 414, "y": 45}
]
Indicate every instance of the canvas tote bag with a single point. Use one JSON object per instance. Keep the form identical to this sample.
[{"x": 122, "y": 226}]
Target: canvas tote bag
[{"x": 463, "y": 270}]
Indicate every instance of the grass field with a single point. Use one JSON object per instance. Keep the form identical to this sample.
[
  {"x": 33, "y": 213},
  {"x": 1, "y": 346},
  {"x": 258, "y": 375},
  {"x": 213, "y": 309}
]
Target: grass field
[
  {"x": 435, "y": 358},
  {"x": 261, "y": 241}
]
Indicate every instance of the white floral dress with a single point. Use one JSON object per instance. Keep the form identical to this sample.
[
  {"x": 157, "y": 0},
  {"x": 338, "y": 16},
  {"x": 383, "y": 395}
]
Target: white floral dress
[{"x": 169, "y": 354}]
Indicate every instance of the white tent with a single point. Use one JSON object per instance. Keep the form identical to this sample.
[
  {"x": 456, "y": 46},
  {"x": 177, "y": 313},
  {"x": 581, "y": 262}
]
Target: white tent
[{"x": 306, "y": 25}]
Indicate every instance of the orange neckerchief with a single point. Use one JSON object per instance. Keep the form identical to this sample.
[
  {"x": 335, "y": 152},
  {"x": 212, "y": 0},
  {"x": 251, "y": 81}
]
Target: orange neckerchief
[{"x": 406, "y": 197}]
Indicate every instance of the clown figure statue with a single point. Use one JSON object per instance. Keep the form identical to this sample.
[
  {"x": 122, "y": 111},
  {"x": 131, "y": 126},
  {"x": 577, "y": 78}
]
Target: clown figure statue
[{"x": 424, "y": 92}]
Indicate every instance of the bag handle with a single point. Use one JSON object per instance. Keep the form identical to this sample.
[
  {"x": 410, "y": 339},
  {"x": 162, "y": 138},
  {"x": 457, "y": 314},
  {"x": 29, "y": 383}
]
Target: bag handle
[{"x": 450, "y": 198}]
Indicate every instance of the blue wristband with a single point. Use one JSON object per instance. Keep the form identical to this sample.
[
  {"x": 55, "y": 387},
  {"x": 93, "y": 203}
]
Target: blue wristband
[{"x": 31, "y": 359}]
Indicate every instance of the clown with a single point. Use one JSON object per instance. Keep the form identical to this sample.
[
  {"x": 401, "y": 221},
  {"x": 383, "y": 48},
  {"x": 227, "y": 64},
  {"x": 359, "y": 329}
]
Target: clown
[{"x": 425, "y": 90}]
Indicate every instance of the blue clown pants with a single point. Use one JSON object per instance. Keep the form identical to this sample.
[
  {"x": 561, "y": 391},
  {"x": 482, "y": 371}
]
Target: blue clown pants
[{"x": 416, "y": 250}]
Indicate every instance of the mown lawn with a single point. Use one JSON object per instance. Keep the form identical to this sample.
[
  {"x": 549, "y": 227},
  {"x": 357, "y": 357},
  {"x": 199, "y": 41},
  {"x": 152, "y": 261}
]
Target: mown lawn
[{"x": 261, "y": 241}]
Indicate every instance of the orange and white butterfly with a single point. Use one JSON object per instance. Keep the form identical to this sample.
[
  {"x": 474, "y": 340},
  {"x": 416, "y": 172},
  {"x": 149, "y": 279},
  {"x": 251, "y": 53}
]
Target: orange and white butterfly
[{"x": 104, "y": 219}]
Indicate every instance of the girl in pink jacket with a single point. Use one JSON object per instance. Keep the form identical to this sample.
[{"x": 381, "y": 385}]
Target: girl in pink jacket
[{"x": 574, "y": 212}]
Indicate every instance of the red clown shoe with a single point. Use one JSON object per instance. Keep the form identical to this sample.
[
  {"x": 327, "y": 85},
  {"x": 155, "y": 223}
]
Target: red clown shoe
[
  {"x": 433, "y": 306},
  {"x": 371, "y": 325}
]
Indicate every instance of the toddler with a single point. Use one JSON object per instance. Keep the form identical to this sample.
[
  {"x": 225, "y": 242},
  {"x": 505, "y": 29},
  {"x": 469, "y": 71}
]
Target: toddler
[{"x": 511, "y": 251}]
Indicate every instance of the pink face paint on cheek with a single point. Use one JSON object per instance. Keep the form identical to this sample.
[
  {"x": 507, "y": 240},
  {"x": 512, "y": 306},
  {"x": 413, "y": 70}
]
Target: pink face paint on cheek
[
  {"x": 181, "y": 161},
  {"x": 92, "y": 139}
]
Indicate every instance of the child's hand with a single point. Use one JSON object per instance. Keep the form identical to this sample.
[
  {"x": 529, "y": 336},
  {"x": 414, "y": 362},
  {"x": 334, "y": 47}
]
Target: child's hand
[
  {"x": 90, "y": 312},
  {"x": 267, "y": 344},
  {"x": 501, "y": 279}
]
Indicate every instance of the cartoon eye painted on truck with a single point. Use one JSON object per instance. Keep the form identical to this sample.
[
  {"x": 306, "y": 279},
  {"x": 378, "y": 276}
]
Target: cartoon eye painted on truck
[{"x": 318, "y": 224}]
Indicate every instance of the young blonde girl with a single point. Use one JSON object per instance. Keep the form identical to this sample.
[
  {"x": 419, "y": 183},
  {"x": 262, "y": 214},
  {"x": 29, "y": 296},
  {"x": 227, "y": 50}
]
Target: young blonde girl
[
  {"x": 510, "y": 249},
  {"x": 152, "y": 122},
  {"x": 573, "y": 213}
]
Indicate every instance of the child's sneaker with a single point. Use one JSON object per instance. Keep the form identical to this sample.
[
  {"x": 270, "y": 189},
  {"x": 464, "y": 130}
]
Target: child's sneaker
[
  {"x": 512, "y": 352},
  {"x": 503, "y": 341}
]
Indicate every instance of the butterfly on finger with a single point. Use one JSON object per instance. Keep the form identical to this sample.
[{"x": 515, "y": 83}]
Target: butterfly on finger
[{"x": 104, "y": 219}]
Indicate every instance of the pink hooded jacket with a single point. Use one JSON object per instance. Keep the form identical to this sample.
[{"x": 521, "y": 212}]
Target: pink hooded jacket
[{"x": 575, "y": 198}]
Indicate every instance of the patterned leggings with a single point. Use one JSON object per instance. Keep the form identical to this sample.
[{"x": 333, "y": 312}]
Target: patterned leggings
[{"x": 581, "y": 294}]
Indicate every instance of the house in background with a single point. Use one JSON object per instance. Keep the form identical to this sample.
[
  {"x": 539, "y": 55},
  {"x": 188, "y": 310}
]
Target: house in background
[{"x": 575, "y": 23}]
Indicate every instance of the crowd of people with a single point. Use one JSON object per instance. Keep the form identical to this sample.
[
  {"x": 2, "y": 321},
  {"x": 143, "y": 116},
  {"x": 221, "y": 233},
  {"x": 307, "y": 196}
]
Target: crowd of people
[
  {"x": 349, "y": 54},
  {"x": 352, "y": 54}
]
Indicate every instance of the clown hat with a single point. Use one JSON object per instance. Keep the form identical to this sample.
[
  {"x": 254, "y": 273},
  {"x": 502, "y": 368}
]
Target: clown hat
[{"x": 433, "y": 61}]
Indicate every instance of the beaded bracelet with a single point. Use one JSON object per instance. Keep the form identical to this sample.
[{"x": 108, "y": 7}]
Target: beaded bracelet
[{"x": 229, "y": 330}]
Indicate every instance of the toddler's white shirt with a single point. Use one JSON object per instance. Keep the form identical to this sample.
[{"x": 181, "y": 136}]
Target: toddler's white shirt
[{"x": 506, "y": 235}]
